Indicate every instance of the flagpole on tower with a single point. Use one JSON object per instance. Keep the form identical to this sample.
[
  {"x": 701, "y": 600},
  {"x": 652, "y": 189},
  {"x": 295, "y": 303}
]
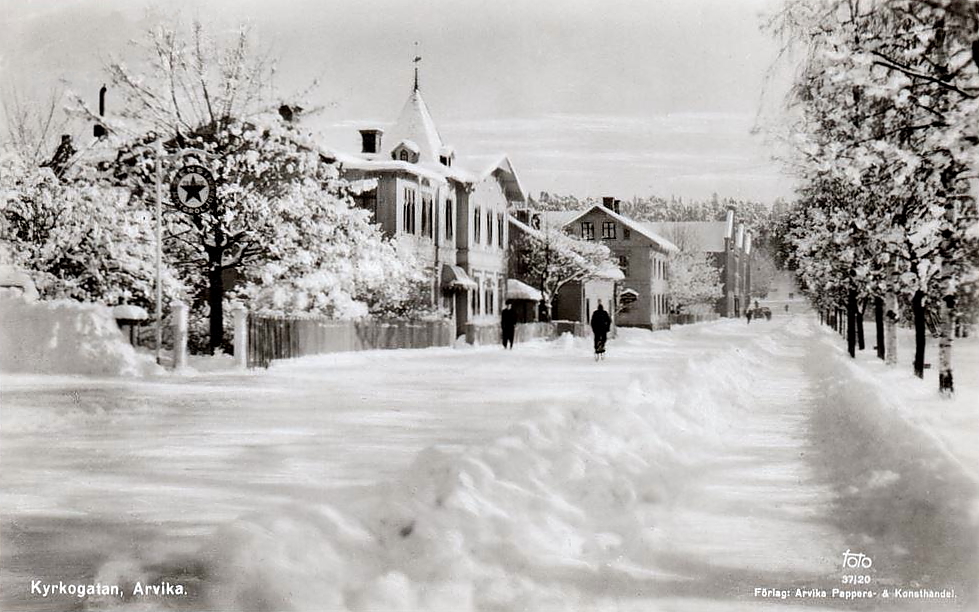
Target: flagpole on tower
[{"x": 417, "y": 59}]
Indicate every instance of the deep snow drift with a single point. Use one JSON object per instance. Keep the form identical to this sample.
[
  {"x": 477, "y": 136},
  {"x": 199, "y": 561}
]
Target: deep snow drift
[
  {"x": 685, "y": 471},
  {"x": 65, "y": 337}
]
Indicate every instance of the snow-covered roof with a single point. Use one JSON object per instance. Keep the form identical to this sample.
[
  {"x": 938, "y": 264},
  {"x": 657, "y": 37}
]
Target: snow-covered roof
[
  {"x": 409, "y": 144},
  {"x": 415, "y": 124},
  {"x": 128, "y": 311},
  {"x": 611, "y": 272},
  {"x": 635, "y": 226},
  {"x": 707, "y": 235},
  {"x": 455, "y": 277},
  {"x": 516, "y": 290},
  {"x": 416, "y": 131},
  {"x": 558, "y": 218}
]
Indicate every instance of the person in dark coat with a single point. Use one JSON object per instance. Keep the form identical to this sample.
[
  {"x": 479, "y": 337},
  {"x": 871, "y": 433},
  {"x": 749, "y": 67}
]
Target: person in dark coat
[
  {"x": 508, "y": 325},
  {"x": 600, "y": 324}
]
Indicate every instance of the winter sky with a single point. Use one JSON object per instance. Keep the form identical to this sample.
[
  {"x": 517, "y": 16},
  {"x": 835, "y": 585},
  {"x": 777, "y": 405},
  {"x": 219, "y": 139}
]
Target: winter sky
[{"x": 609, "y": 97}]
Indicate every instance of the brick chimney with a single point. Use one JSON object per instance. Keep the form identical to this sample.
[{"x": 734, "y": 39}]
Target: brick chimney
[
  {"x": 611, "y": 203},
  {"x": 371, "y": 140}
]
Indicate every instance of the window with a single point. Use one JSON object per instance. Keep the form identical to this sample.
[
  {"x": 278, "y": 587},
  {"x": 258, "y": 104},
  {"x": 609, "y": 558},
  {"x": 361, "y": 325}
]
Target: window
[
  {"x": 427, "y": 214},
  {"x": 489, "y": 300},
  {"x": 587, "y": 230},
  {"x": 404, "y": 155},
  {"x": 624, "y": 264},
  {"x": 448, "y": 220},
  {"x": 489, "y": 227},
  {"x": 477, "y": 219},
  {"x": 409, "y": 211},
  {"x": 626, "y": 233},
  {"x": 608, "y": 230},
  {"x": 500, "y": 227}
]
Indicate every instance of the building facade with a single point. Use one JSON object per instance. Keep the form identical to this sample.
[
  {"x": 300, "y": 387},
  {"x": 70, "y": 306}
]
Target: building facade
[
  {"x": 643, "y": 257},
  {"x": 451, "y": 212},
  {"x": 728, "y": 246}
]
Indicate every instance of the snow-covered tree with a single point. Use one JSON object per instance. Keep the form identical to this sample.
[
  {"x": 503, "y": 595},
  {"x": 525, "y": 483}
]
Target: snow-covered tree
[
  {"x": 281, "y": 218},
  {"x": 551, "y": 259},
  {"x": 887, "y": 97},
  {"x": 694, "y": 279},
  {"x": 78, "y": 236},
  {"x": 324, "y": 256}
]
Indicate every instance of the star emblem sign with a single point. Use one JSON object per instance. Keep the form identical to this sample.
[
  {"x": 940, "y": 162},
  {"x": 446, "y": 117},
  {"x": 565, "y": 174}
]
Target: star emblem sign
[{"x": 192, "y": 189}]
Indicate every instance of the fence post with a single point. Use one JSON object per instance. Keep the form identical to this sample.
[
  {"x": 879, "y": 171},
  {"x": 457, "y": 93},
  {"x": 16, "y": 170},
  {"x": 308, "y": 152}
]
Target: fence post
[
  {"x": 179, "y": 310},
  {"x": 240, "y": 314}
]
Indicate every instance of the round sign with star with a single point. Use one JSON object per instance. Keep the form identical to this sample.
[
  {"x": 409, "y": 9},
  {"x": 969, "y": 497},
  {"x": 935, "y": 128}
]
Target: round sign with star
[{"x": 192, "y": 189}]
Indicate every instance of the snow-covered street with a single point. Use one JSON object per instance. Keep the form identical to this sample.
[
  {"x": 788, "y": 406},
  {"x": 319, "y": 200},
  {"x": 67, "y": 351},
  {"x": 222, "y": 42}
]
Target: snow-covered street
[{"x": 712, "y": 467}]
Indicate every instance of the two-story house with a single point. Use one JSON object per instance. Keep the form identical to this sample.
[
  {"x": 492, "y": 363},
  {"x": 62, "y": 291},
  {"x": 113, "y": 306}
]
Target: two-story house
[
  {"x": 642, "y": 299},
  {"x": 451, "y": 211}
]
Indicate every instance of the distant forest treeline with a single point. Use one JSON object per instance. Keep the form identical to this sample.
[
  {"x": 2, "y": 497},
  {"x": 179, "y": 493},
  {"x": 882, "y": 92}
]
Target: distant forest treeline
[{"x": 755, "y": 215}]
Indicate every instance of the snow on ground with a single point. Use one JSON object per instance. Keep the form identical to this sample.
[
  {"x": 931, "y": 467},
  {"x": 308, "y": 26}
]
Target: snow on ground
[
  {"x": 65, "y": 337},
  {"x": 952, "y": 423},
  {"x": 689, "y": 469}
]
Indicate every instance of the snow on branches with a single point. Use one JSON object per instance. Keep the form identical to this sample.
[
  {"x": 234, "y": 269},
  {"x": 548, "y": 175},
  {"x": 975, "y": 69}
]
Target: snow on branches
[
  {"x": 553, "y": 258},
  {"x": 885, "y": 143}
]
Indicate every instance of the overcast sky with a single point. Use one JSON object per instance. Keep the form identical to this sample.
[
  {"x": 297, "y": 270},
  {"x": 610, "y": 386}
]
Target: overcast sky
[{"x": 588, "y": 98}]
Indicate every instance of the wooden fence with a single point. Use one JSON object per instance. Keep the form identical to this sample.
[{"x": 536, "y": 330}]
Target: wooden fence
[{"x": 271, "y": 337}]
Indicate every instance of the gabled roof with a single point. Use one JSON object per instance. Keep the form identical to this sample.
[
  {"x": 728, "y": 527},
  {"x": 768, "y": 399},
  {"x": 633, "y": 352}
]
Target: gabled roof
[
  {"x": 416, "y": 124},
  {"x": 635, "y": 226},
  {"x": 708, "y": 235},
  {"x": 415, "y": 129}
]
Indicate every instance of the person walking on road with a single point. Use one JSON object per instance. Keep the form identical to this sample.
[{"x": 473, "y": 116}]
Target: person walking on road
[
  {"x": 508, "y": 325},
  {"x": 600, "y": 324}
]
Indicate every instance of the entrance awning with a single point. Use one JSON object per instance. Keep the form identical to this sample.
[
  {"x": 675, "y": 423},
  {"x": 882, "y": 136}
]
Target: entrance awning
[
  {"x": 454, "y": 277},
  {"x": 516, "y": 290}
]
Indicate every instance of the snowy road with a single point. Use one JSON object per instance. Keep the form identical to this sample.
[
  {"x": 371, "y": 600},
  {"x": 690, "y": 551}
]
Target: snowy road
[{"x": 713, "y": 467}]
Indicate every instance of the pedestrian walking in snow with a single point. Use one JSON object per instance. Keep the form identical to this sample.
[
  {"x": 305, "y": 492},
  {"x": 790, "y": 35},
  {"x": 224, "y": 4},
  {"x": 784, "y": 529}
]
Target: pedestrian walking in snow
[
  {"x": 508, "y": 325},
  {"x": 748, "y": 314},
  {"x": 600, "y": 324}
]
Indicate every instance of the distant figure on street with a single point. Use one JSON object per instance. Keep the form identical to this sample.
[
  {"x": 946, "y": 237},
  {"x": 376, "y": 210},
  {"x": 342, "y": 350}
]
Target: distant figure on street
[
  {"x": 600, "y": 324},
  {"x": 508, "y": 325},
  {"x": 748, "y": 314},
  {"x": 786, "y": 309}
]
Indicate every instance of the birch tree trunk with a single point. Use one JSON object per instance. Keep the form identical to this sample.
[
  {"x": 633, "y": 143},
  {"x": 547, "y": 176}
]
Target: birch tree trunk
[
  {"x": 890, "y": 320},
  {"x": 945, "y": 386}
]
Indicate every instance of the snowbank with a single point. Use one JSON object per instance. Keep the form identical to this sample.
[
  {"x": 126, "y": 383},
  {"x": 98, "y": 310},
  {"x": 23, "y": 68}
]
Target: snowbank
[
  {"x": 571, "y": 494},
  {"x": 65, "y": 337}
]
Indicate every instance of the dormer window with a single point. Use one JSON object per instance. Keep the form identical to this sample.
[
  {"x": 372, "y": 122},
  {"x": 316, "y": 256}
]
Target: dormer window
[
  {"x": 446, "y": 155},
  {"x": 406, "y": 151}
]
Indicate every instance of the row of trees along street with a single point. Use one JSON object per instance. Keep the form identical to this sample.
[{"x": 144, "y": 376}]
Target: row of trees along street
[
  {"x": 884, "y": 141},
  {"x": 282, "y": 221}
]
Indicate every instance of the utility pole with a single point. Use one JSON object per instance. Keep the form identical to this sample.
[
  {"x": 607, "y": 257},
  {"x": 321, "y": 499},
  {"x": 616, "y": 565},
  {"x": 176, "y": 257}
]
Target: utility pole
[{"x": 159, "y": 249}]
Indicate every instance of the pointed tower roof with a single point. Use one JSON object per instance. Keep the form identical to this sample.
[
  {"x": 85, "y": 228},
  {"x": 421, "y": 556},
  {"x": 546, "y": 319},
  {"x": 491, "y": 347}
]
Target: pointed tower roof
[{"x": 415, "y": 124}]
